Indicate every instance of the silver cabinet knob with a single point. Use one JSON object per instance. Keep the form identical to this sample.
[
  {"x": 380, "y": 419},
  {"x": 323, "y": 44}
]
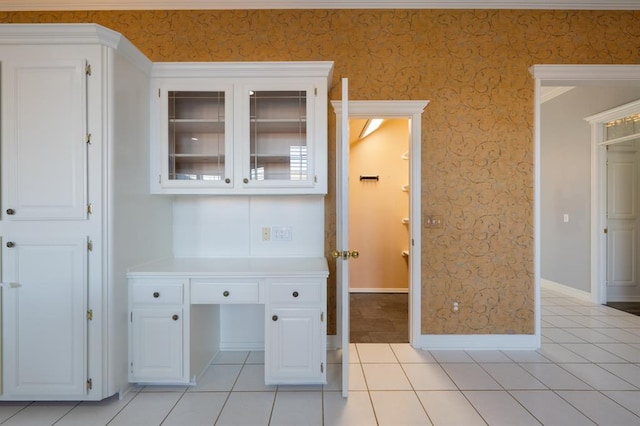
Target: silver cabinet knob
[
  {"x": 11, "y": 212},
  {"x": 11, "y": 244},
  {"x": 156, "y": 294},
  {"x": 225, "y": 293},
  {"x": 227, "y": 180},
  {"x": 295, "y": 294},
  {"x": 175, "y": 317},
  {"x": 275, "y": 318},
  {"x": 245, "y": 180}
]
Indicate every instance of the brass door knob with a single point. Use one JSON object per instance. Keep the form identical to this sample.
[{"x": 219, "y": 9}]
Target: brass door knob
[{"x": 355, "y": 254}]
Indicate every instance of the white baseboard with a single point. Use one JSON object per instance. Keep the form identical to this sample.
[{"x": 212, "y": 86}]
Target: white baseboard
[
  {"x": 565, "y": 289},
  {"x": 333, "y": 342},
  {"x": 478, "y": 342},
  {"x": 242, "y": 346},
  {"x": 378, "y": 290}
]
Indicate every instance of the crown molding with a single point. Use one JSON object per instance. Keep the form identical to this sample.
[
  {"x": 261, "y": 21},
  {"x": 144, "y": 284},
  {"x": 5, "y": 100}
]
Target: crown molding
[{"x": 44, "y": 5}]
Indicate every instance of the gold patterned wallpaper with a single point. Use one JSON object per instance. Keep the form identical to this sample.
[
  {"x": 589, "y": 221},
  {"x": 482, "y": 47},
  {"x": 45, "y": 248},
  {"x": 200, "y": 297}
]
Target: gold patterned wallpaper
[{"x": 477, "y": 140}]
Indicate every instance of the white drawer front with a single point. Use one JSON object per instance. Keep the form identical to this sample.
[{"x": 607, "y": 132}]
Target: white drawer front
[
  {"x": 225, "y": 292},
  {"x": 156, "y": 293},
  {"x": 296, "y": 292}
]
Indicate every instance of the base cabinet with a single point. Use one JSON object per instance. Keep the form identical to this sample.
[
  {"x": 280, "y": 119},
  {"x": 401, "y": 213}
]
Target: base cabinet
[
  {"x": 293, "y": 346},
  {"x": 175, "y": 323}
]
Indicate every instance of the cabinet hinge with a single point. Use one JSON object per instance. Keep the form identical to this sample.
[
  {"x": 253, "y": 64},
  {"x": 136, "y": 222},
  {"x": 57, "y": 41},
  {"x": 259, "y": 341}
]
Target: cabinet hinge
[
  {"x": 322, "y": 367},
  {"x": 606, "y": 230},
  {"x": 90, "y": 245},
  {"x": 158, "y": 92},
  {"x": 315, "y": 179},
  {"x": 90, "y": 315},
  {"x": 131, "y": 317},
  {"x": 160, "y": 179},
  {"x": 89, "y": 138},
  {"x": 90, "y": 208},
  {"x": 87, "y": 69},
  {"x": 315, "y": 91},
  {"x": 321, "y": 316},
  {"x": 89, "y": 384}
]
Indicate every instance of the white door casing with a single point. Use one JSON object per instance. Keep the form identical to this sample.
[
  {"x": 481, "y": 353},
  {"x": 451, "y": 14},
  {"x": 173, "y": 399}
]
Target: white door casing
[
  {"x": 599, "y": 194},
  {"x": 366, "y": 109}
]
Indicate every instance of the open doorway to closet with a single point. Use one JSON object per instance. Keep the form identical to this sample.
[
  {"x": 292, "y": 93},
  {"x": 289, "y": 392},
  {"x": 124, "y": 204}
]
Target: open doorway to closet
[{"x": 379, "y": 196}]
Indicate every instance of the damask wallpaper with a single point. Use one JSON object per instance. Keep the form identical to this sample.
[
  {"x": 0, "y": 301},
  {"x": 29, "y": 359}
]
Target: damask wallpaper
[{"x": 477, "y": 140}]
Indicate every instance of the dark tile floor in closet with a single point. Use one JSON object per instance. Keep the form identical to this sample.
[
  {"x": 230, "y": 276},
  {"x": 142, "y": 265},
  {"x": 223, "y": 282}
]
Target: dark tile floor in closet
[
  {"x": 630, "y": 307},
  {"x": 379, "y": 317}
]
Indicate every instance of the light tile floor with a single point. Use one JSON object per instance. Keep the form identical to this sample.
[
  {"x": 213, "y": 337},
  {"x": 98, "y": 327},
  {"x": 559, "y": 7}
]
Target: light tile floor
[{"x": 587, "y": 372}]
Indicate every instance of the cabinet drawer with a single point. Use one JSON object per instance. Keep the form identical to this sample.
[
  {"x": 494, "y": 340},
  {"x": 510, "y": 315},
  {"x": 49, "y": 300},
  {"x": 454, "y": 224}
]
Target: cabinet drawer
[
  {"x": 156, "y": 293},
  {"x": 225, "y": 292},
  {"x": 304, "y": 292}
]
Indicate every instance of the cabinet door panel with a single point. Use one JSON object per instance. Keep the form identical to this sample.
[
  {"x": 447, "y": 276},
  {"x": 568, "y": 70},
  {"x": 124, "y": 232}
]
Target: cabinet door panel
[
  {"x": 44, "y": 317},
  {"x": 293, "y": 352},
  {"x": 157, "y": 349},
  {"x": 44, "y": 137}
]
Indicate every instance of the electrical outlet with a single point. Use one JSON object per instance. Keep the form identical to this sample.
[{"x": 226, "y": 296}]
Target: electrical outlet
[
  {"x": 434, "y": 221},
  {"x": 281, "y": 233},
  {"x": 266, "y": 234},
  {"x": 456, "y": 307}
]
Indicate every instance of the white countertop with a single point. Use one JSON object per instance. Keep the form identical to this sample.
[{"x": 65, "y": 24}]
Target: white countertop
[{"x": 233, "y": 266}]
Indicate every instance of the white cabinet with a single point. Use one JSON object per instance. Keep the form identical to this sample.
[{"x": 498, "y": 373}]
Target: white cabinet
[
  {"x": 295, "y": 330},
  {"x": 156, "y": 338},
  {"x": 240, "y": 128},
  {"x": 73, "y": 138},
  {"x": 169, "y": 347}
]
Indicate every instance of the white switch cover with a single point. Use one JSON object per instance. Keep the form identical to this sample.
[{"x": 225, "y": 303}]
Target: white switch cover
[
  {"x": 280, "y": 233},
  {"x": 565, "y": 217}
]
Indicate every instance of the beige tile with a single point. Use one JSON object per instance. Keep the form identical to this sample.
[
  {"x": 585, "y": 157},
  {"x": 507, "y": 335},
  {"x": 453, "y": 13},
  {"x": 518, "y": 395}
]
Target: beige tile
[
  {"x": 555, "y": 377},
  {"x": 357, "y": 381},
  {"x": 599, "y": 408},
  {"x": 230, "y": 357},
  {"x": 498, "y": 408},
  {"x": 395, "y": 408},
  {"x": 385, "y": 377},
  {"x": 550, "y": 409},
  {"x": 449, "y": 408},
  {"x": 97, "y": 413},
  {"x": 251, "y": 378},
  {"x": 405, "y": 353},
  {"x": 247, "y": 408},
  {"x": 39, "y": 413},
  {"x": 597, "y": 377},
  {"x": 428, "y": 377},
  {"x": 375, "y": 353},
  {"x": 353, "y": 411},
  {"x": 628, "y": 399},
  {"x": 470, "y": 377},
  {"x": 197, "y": 409},
  {"x": 512, "y": 376},
  {"x": 297, "y": 408},
  {"x": 147, "y": 409},
  {"x": 217, "y": 377}
]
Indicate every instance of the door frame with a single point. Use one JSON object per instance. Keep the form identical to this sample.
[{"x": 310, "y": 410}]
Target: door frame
[
  {"x": 577, "y": 75},
  {"x": 411, "y": 110},
  {"x": 599, "y": 192}
]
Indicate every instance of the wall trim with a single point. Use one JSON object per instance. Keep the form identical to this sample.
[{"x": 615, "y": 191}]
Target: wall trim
[
  {"x": 15, "y": 5},
  {"x": 479, "y": 342},
  {"x": 566, "y": 290},
  {"x": 379, "y": 290}
]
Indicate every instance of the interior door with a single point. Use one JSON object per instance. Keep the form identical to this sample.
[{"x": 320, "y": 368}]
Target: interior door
[
  {"x": 622, "y": 222},
  {"x": 342, "y": 230}
]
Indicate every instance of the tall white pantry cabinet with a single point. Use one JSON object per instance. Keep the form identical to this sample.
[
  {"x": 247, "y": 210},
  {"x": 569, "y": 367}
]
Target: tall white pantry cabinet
[{"x": 76, "y": 210}]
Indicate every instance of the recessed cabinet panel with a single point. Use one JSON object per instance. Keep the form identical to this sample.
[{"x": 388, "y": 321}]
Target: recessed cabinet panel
[
  {"x": 157, "y": 350},
  {"x": 44, "y": 313},
  {"x": 44, "y": 139}
]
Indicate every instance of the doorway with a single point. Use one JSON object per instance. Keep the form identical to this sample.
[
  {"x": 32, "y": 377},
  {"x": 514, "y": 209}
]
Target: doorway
[{"x": 379, "y": 195}]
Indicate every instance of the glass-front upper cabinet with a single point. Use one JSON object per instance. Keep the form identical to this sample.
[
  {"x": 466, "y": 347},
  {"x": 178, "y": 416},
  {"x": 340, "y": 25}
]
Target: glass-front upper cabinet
[
  {"x": 242, "y": 128},
  {"x": 197, "y": 138},
  {"x": 280, "y": 138}
]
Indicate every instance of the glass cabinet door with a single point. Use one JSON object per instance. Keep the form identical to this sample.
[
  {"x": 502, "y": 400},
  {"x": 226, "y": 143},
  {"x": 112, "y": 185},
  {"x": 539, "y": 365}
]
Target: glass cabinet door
[
  {"x": 197, "y": 139},
  {"x": 278, "y": 141}
]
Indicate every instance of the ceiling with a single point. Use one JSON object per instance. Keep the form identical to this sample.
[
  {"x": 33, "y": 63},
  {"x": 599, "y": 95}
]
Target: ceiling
[{"x": 16, "y": 5}]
